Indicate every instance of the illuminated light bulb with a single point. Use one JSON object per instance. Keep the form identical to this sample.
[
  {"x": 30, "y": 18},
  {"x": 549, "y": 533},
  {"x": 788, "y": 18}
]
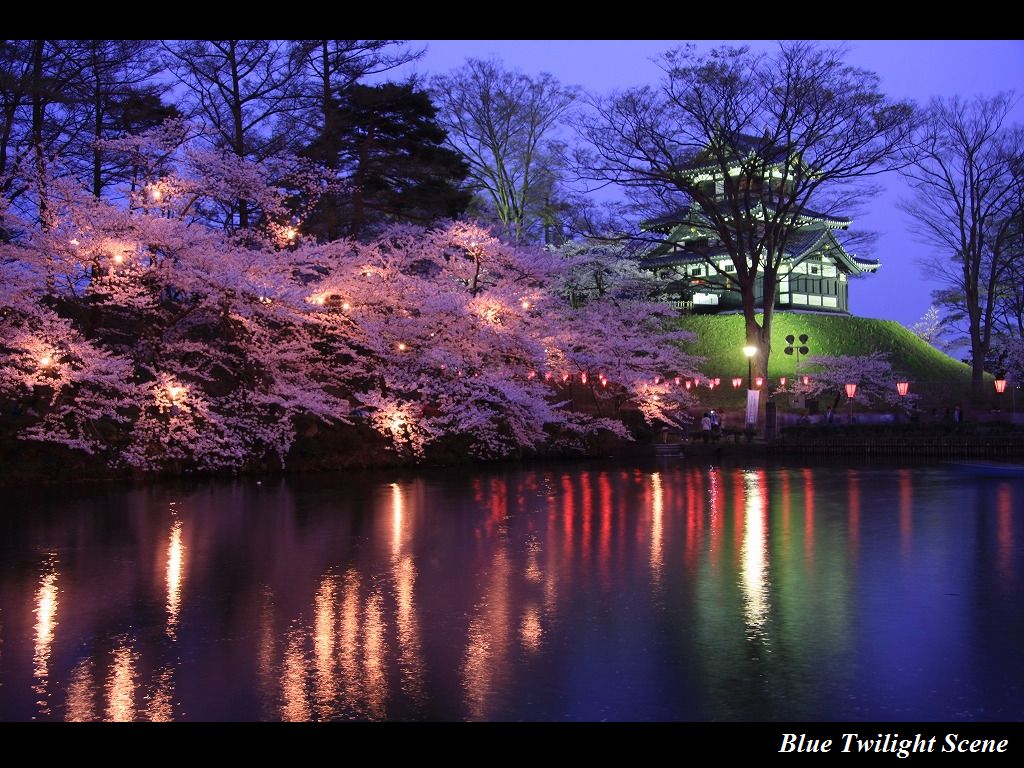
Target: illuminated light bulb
[
  {"x": 604, "y": 382},
  {"x": 174, "y": 391},
  {"x": 118, "y": 258},
  {"x": 44, "y": 361},
  {"x": 401, "y": 346},
  {"x": 290, "y": 233},
  {"x": 157, "y": 195},
  {"x": 346, "y": 307},
  {"x": 525, "y": 304},
  {"x": 807, "y": 380}
]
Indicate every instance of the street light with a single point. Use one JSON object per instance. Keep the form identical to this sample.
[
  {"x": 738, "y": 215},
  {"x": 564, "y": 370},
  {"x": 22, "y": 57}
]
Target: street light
[
  {"x": 851, "y": 390},
  {"x": 1000, "y": 385},
  {"x": 750, "y": 350}
]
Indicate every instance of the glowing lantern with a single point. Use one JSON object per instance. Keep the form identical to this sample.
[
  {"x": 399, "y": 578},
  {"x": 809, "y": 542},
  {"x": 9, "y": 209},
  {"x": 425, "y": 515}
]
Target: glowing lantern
[
  {"x": 583, "y": 377},
  {"x": 525, "y": 304},
  {"x": 782, "y": 381},
  {"x": 718, "y": 381},
  {"x": 174, "y": 391},
  {"x": 736, "y": 382},
  {"x": 547, "y": 376},
  {"x": 759, "y": 381},
  {"x": 851, "y": 390},
  {"x": 696, "y": 381},
  {"x": 1000, "y": 385},
  {"x": 604, "y": 382},
  {"x": 657, "y": 379},
  {"x": 678, "y": 380},
  {"x": 118, "y": 258},
  {"x": 531, "y": 375},
  {"x": 903, "y": 387},
  {"x": 807, "y": 380},
  {"x": 346, "y": 306},
  {"x": 688, "y": 384},
  {"x": 565, "y": 377},
  {"x": 401, "y": 346}
]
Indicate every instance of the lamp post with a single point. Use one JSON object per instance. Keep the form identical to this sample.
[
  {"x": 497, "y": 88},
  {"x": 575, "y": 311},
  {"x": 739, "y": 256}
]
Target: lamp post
[
  {"x": 851, "y": 390},
  {"x": 750, "y": 350},
  {"x": 902, "y": 387},
  {"x": 1000, "y": 385}
]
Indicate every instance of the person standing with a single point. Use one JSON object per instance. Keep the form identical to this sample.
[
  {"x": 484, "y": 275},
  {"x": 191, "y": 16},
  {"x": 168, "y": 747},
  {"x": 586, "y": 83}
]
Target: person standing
[{"x": 705, "y": 426}]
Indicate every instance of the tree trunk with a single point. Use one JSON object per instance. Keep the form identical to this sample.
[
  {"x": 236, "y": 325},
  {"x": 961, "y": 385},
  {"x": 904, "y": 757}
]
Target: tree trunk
[
  {"x": 97, "y": 160},
  {"x": 239, "y": 130}
]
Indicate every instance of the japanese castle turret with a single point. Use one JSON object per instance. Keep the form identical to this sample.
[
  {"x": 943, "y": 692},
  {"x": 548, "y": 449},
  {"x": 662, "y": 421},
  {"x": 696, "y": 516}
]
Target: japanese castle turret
[{"x": 694, "y": 266}]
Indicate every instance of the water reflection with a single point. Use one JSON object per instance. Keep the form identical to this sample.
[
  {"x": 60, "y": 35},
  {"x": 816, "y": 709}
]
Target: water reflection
[
  {"x": 45, "y": 610},
  {"x": 121, "y": 685},
  {"x": 610, "y": 591},
  {"x": 754, "y": 565},
  {"x": 175, "y": 558}
]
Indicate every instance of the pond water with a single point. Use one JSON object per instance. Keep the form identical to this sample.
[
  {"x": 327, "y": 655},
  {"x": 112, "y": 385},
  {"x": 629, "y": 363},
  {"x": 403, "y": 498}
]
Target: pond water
[{"x": 578, "y": 591}]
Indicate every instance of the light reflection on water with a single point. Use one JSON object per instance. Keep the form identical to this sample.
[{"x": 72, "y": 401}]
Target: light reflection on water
[{"x": 607, "y": 591}]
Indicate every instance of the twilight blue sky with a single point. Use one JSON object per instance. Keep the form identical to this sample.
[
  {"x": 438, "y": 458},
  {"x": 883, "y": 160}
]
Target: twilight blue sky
[{"x": 915, "y": 69}]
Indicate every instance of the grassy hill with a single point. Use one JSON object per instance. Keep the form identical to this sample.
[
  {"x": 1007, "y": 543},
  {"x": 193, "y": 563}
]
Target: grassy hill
[{"x": 936, "y": 377}]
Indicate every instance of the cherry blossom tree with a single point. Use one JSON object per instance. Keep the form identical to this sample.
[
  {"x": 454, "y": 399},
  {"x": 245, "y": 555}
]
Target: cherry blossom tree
[{"x": 154, "y": 335}]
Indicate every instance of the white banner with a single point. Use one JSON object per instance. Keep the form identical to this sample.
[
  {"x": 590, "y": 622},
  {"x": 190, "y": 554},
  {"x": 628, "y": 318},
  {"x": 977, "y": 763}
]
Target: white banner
[{"x": 753, "y": 399}]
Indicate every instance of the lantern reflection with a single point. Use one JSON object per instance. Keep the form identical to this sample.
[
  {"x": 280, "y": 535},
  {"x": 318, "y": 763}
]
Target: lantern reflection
[
  {"x": 121, "y": 686},
  {"x": 46, "y": 602},
  {"x": 754, "y": 558}
]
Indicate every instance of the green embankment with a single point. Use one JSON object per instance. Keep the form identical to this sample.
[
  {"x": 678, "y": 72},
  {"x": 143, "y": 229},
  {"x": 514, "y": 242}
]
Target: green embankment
[{"x": 934, "y": 376}]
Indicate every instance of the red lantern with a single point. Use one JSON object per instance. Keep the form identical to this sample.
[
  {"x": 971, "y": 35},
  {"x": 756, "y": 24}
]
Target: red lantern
[
  {"x": 565, "y": 377},
  {"x": 717, "y": 381},
  {"x": 1000, "y": 385},
  {"x": 759, "y": 381},
  {"x": 688, "y": 384},
  {"x": 903, "y": 387},
  {"x": 782, "y": 381},
  {"x": 851, "y": 390},
  {"x": 736, "y": 382},
  {"x": 807, "y": 380},
  {"x": 657, "y": 379},
  {"x": 583, "y": 377},
  {"x": 677, "y": 381},
  {"x": 604, "y": 382},
  {"x": 696, "y": 381},
  {"x": 547, "y": 376}
]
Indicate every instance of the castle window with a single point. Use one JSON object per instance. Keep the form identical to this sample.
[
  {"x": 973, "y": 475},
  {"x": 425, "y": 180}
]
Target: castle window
[
  {"x": 697, "y": 271},
  {"x": 815, "y": 269},
  {"x": 829, "y": 301}
]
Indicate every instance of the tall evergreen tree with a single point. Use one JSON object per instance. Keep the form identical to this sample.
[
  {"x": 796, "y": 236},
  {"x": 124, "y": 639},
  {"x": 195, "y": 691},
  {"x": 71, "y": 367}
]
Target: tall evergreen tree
[{"x": 387, "y": 145}]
